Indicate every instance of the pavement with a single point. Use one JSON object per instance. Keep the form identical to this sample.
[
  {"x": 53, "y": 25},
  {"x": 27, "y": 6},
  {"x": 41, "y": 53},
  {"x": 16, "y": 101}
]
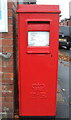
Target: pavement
[
  {"x": 63, "y": 95},
  {"x": 63, "y": 86},
  {"x": 65, "y": 51}
]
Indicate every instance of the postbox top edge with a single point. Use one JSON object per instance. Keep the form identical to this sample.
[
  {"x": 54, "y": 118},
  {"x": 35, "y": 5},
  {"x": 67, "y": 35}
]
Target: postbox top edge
[{"x": 38, "y": 8}]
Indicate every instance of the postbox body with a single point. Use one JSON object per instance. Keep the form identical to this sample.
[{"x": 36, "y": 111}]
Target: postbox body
[{"x": 38, "y": 29}]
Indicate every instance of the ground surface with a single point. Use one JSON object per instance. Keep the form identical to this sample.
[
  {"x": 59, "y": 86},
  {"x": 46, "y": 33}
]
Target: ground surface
[{"x": 63, "y": 83}]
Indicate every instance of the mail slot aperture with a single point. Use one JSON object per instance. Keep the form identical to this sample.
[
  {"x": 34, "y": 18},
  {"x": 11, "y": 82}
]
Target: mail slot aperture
[{"x": 39, "y": 25}]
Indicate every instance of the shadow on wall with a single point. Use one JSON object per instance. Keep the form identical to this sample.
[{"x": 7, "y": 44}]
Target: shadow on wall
[{"x": 15, "y": 47}]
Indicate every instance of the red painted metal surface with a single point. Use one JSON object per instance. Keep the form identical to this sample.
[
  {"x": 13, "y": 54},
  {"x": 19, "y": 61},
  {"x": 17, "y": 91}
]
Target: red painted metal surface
[
  {"x": 39, "y": 8},
  {"x": 38, "y": 66}
]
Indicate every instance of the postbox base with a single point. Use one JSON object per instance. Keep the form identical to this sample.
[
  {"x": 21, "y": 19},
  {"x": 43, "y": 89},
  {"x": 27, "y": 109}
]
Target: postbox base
[{"x": 37, "y": 117}]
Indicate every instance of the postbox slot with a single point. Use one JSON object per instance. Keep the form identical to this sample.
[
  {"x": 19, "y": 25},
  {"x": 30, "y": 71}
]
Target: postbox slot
[
  {"x": 38, "y": 25},
  {"x": 38, "y": 22}
]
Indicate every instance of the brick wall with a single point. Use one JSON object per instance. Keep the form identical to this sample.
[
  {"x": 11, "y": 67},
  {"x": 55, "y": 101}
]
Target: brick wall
[
  {"x": 66, "y": 22},
  {"x": 8, "y": 79},
  {"x": 69, "y": 23}
]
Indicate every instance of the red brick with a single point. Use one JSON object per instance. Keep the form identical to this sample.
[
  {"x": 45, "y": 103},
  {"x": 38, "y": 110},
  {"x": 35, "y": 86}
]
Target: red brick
[
  {"x": 1, "y": 87},
  {"x": 10, "y": 20},
  {"x": 8, "y": 109},
  {"x": 7, "y": 42},
  {"x": 8, "y": 76},
  {"x": 1, "y": 62},
  {"x": 0, "y": 42},
  {"x": 9, "y": 87},
  {"x": 9, "y": 93},
  {"x": 1, "y": 77},
  {"x": 10, "y": 28},
  {"x": 7, "y": 82},
  {"x": 0, "y": 49},
  {"x": 7, "y": 49},
  {"x": 10, "y": 5},
  {"x": 7, "y": 90},
  {"x": 8, "y": 35},
  {"x": 1, "y": 99},
  {"x": 6, "y": 99},
  {"x": 1, "y": 74},
  {"x": 0, "y": 35},
  {"x": 11, "y": 115},
  {"x": 8, "y": 63},
  {"x": 7, "y": 104},
  {"x": 10, "y": 12},
  {"x": 6, "y": 87},
  {"x": 0, "y": 69},
  {"x": 7, "y": 69}
]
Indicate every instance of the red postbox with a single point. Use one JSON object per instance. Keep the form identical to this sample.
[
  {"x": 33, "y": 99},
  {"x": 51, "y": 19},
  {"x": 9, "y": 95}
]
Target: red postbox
[{"x": 38, "y": 32}]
